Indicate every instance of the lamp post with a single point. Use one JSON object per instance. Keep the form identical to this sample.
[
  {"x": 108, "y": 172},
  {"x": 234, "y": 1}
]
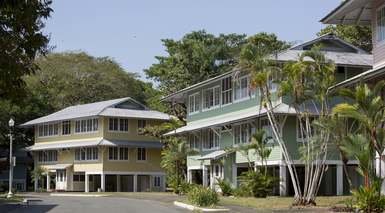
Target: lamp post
[{"x": 11, "y": 123}]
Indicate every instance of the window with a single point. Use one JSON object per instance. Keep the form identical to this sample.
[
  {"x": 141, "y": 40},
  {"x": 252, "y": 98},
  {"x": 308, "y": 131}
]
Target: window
[
  {"x": 46, "y": 130},
  {"x": 87, "y": 154},
  {"x": 66, "y": 128},
  {"x": 265, "y": 125},
  {"x": 217, "y": 169},
  {"x": 211, "y": 97},
  {"x": 78, "y": 177},
  {"x": 381, "y": 24},
  {"x": 118, "y": 124},
  {"x": 242, "y": 88},
  {"x": 141, "y": 124},
  {"x": 123, "y": 153},
  {"x": 301, "y": 136},
  {"x": 123, "y": 125},
  {"x": 194, "y": 103},
  {"x": 113, "y": 124},
  {"x": 194, "y": 141},
  {"x": 210, "y": 140},
  {"x": 227, "y": 90},
  {"x": 86, "y": 125},
  {"x": 118, "y": 153},
  {"x": 156, "y": 181},
  {"x": 47, "y": 156},
  {"x": 141, "y": 154},
  {"x": 243, "y": 133},
  {"x": 273, "y": 86}
]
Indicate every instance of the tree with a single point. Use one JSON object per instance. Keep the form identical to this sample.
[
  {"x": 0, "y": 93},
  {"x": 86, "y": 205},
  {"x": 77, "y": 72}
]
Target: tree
[
  {"x": 360, "y": 36},
  {"x": 21, "y": 40},
  {"x": 70, "y": 78},
  {"x": 196, "y": 57}
]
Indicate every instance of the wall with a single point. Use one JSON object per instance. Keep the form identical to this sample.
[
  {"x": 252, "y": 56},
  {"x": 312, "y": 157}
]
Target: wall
[{"x": 378, "y": 48}]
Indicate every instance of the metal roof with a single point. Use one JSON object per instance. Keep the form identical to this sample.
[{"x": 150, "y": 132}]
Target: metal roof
[
  {"x": 134, "y": 144},
  {"x": 129, "y": 113},
  {"x": 64, "y": 144},
  {"x": 355, "y": 12},
  {"x": 228, "y": 118},
  {"x": 55, "y": 167},
  {"x": 339, "y": 58},
  {"x": 213, "y": 155},
  {"x": 95, "y": 109}
]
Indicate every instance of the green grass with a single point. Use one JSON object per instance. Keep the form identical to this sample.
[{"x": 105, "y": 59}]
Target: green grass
[
  {"x": 14, "y": 199},
  {"x": 277, "y": 202}
]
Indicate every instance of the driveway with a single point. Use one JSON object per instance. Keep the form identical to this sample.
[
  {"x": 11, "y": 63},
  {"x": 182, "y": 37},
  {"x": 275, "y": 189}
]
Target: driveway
[{"x": 46, "y": 203}]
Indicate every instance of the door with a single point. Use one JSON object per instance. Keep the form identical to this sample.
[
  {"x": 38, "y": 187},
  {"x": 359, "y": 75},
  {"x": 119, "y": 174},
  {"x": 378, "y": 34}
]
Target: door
[{"x": 61, "y": 179}]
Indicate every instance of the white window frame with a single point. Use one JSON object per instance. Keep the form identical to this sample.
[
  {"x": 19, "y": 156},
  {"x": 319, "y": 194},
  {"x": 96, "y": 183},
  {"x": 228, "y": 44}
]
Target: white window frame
[
  {"x": 196, "y": 97},
  {"x": 45, "y": 156},
  {"x": 196, "y": 139},
  {"x": 238, "y": 86},
  {"x": 213, "y": 99},
  {"x": 118, "y": 154},
  {"x": 250, "y": 131},
  {"x": 137, "y": 154},
  {"x": 93, "y": 119},
  {"x": 70, "y": 127},
  {"x": 216, "y": 140},
  {"x": 48, "y": 125},
  {"x": 85, "y": 150},
  {"x": 141, "y": 124},
  {"x": 119, "y": 125},
  {"x": 224, "y": 92},
  {"x": 378, "y": 41},
  {"x": 268, "y": 128},
  {"x": 157, "y": 181}
]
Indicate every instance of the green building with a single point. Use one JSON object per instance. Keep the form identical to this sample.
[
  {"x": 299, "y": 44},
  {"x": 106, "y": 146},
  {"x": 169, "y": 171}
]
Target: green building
[{"x": 224, "y": 112}]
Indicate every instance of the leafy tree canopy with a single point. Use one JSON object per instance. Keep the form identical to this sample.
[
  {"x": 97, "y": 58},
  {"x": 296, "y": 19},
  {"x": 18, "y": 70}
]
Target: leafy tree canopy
[
  {"x": 21, "y": 40},
  {"x": 196, "y": 57},
  {"x": 360, "y": 36}
]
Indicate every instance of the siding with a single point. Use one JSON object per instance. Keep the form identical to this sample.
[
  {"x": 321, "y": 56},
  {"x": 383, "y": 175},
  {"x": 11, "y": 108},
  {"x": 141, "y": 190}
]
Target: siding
[{"x": 378, "y": 48}]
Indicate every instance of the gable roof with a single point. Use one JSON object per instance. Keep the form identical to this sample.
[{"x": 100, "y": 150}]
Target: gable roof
[
  {"x": 97, "y": 109},
  {"x": 355, "y": 12}
]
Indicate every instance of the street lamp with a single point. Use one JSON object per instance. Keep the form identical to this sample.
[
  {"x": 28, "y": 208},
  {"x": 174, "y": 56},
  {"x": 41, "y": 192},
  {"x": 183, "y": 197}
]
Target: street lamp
[{"x": 11, "y": 123}]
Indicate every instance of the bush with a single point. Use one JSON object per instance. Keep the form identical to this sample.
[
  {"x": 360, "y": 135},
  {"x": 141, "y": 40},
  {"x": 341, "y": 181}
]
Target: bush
[
  {"x": 256, "y": 183},
  {"x": 225, "y": 187},
  {"x": 242, "y": 191},
  {"x": 201, "y": 196},
  {"x": 369, "y": 199}
]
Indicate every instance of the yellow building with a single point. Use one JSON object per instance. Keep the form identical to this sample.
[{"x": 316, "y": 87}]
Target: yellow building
[{"x": 98, "y": 147}]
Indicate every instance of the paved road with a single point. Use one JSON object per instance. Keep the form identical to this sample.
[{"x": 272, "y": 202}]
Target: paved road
[{"x": 90, "y": 205}]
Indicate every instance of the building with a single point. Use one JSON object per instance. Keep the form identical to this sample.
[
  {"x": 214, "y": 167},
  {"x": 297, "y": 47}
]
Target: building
[
  {"x": 367, "y": 13},
  {"x": 97, "y": 147},
  {"x": 223, "y": 113},
  {"x": 20, "y": 171}
]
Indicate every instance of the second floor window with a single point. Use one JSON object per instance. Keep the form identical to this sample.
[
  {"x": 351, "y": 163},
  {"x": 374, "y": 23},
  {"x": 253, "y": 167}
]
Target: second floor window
[
  {"x": 210, "y": 139},
  {"x": 47, "y": 156},
  {"x": 66, "y": 127},
  {"x": 86, "y": 125},
  {"x": 227, "y": 90},
  {"x": 118, "y": 124},
  {"x": 141, "y": 124},
  {"x": 194, "y": 103},
  {"x": 118, "y": 153},
  {"x": 380, "y": 24},
  {"x": 87, "y": 154},
  {"x": 194, "y": 141},
  {"x": 48, "y": 130},
  {"x": 243, "y": 133},
  {"x": 241, "y": 88},
  {"x": 211, "y": 97},
  {"x": 141, "y": 154}
]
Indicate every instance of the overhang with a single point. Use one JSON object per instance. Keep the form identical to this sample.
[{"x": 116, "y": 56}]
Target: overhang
[
  {"x": 64, "y": 144},
  {"x": 355, "y": 12},
  {"x": 55, "y": 167},
  {"x": 132, "y": 144},
  {"x": 213, "y": 155}
]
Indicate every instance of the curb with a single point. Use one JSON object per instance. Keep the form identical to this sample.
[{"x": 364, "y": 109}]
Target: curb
[
  {"x": 75, "y": 195},
  {"x": 192, "y": 208}
]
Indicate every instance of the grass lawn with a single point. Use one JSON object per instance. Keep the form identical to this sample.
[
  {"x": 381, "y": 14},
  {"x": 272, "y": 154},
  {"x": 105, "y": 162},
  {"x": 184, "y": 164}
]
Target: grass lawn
[
  {"x": 278, "y": 202},
  {"x": 15, "y": 198}
]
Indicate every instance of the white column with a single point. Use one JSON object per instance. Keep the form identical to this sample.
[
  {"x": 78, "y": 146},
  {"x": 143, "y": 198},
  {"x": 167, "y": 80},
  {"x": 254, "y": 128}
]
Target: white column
[
  {"x": 204, "y": 174},
  {"x": 234, "y": 175},
  {"x": 135, "y": 183},
  {"x": 102, "y": 182},
  {"x": 48, "y": 182},
  {"x": 282, "y": 180},
  {"x": 212, "y": 177},
  {"x": 189, "y": 175},
  {"x": 36, "y": 185},
  {"x": 87, "y": 183},
  {"x": 118, "y": 183},
  {"x": 340, "y": 180}
]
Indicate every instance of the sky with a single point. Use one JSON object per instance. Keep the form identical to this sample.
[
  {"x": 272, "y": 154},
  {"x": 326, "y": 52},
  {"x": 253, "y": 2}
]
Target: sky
[{"x": 130, "y": 31}]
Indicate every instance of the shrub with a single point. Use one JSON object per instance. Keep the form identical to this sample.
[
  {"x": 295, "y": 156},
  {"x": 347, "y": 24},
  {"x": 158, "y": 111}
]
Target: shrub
[
  {"x": 256, "y": 183},
  {"x": 201, "y": 196},
  {"x": 225, "y": 187},
  {"x": 369, "y": 199},
  {"x": 242, "y": 191}
]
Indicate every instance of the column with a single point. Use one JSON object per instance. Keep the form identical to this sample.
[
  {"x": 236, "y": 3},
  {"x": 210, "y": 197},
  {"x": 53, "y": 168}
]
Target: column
[
  {"x": 118, "y": 183},
  {"x": 234, "y": 175},
  {"x": 87, "y": 183},
  {"x": 204, "y": 174},
  {"x": 282, "y": 180},
  {"x": 135, "y": 183},
  {"x": 36, "y": 185},
  {"x": 340, "y": 180},
  {"x": 102, "y": 182},
  {"x": 189, "y": 175},
  {"x": 48, "y": 182}
]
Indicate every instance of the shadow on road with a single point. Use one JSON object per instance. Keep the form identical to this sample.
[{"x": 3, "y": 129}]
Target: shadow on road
[{"x": 34, "y": 208}]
